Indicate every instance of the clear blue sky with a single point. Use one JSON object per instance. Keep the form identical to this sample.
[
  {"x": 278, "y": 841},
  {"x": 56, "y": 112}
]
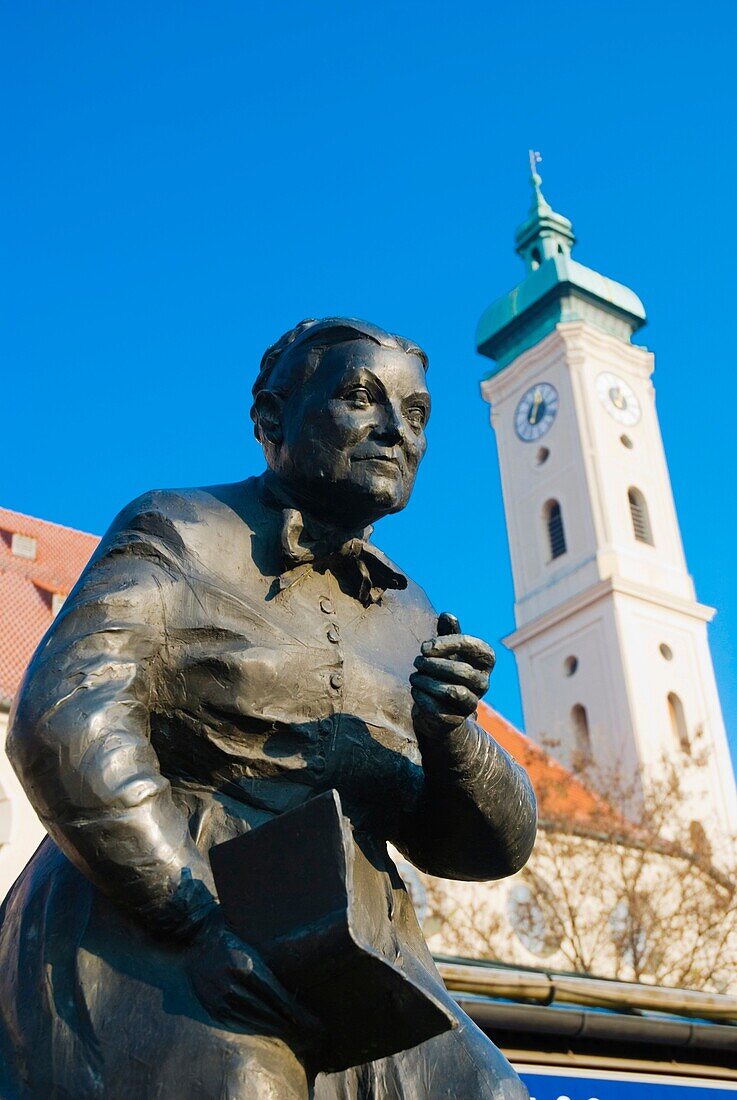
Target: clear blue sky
[{"x": 184, "y": 181}]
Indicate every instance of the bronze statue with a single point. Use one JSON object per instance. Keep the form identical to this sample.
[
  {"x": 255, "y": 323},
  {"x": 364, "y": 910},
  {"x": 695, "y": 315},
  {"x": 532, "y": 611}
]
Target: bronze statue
[{"x": 228, "y": 654}]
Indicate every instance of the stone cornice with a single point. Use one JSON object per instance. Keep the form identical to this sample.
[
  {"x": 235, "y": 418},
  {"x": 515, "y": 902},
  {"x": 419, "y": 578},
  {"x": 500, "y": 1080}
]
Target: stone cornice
[
  {"x": 607, "y": 586},
  {"x": 569, "y": 340}
]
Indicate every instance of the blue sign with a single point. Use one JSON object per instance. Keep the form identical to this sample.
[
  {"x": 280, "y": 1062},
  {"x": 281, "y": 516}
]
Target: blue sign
[{"x": 624, "y": 1086}]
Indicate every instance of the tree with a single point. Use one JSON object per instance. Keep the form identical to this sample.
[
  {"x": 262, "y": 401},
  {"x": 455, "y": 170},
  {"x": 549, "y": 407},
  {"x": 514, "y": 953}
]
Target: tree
[{"x": 638, "y": 889}]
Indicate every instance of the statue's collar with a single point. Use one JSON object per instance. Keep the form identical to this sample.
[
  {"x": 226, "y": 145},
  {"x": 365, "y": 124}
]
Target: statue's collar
[{"x": 306, "y": 543}]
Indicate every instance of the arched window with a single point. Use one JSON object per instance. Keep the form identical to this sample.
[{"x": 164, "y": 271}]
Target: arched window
[
  {"x": 554, "y": 525},
  {"x": 536, "y": 258},
  {"x": 629, "y": 936},
  {"x": 678, "y": 725},
  {"x": 532, "y": 912},
  {"x": 640, "y": 516},
  {"x": 581, "y": 736}
]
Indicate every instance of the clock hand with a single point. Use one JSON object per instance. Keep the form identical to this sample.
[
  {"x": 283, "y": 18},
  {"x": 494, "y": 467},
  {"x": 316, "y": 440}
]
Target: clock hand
[
  {"x": 617, "y": 398},
  {"x": 537, "y": 402}
]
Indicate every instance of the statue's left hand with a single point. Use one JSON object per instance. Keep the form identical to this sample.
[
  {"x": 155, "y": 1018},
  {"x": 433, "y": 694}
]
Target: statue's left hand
[
  {"x": 452, "y": 675},
  {"x": 234, "y": 984}
]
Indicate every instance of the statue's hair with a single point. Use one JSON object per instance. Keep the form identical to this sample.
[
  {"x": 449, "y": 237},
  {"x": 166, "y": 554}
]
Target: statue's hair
[{"x": 296, "y": 355}]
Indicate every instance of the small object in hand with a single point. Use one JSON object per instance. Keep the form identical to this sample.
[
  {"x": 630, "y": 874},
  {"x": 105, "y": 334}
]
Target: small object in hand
[{"x": 448, "y": 624}]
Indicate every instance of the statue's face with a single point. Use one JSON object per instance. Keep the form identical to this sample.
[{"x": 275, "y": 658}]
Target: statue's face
[{"x": 353, "y": 435}]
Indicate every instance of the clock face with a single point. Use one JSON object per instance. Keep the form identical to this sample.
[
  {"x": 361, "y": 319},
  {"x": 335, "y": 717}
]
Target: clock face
[
  {"x": 618, "y": 398},
  {"x": 536, "y": 412}
]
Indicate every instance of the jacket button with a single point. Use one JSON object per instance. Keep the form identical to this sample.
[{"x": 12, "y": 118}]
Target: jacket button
[
  {"x": 326, "y": 605},
  {"x": 334, "y": 634},
  {"x": 325, "y": 726},
  {"x": 336, "y": 680}
]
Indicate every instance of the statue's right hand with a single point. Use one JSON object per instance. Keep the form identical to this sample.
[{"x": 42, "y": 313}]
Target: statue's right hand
[{"x": 234, "y": 984}]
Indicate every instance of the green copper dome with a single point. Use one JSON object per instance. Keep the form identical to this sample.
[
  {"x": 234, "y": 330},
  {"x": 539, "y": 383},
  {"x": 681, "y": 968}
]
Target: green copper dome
[{"x": 556, "y": 288}]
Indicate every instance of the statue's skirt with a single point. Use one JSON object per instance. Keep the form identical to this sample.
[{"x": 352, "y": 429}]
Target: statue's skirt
[{"x": 94, "y": 1008}]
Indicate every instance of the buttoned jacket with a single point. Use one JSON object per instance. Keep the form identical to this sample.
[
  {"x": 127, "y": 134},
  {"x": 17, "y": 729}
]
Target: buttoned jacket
[{"x": 190, "y": 689}]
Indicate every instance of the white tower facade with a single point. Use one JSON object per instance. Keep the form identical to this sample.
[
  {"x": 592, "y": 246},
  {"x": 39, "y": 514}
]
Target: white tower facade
[{"x": 611, "y": 643}]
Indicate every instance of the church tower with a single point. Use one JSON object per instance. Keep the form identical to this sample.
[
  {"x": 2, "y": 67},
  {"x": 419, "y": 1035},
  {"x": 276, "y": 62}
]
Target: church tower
[{"x": 610, "y": 641}]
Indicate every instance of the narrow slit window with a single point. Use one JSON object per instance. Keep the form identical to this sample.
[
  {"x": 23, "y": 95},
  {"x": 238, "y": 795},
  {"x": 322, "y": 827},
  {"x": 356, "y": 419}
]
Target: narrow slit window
[
  {"x": 555, "y": 529},
  {"x": 677, "y": 716},
  {"x": 581, "y": 736},
  {"x": 640, "y": 516}
]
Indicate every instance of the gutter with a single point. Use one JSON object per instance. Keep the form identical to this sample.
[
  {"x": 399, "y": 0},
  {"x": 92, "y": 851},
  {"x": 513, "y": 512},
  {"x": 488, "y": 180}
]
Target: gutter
[
  {"x": 605, "y": 1029},
  {"x": 540, "y": 987}
]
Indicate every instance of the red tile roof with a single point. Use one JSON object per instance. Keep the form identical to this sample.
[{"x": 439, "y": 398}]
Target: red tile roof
[
  {"x": 28, "y": 586},
  {"x": 26, "y": 590},
  {"x": 563, "y": 800}
]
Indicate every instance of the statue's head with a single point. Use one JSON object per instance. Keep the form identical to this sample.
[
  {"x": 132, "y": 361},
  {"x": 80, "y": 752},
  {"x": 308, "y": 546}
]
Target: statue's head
[{"x": 340, "y": 408}]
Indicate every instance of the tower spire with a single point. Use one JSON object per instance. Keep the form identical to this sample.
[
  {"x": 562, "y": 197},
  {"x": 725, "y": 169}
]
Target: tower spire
[
  {"x": 544, "y": 233},
  {"x": 555, "y": 288}
]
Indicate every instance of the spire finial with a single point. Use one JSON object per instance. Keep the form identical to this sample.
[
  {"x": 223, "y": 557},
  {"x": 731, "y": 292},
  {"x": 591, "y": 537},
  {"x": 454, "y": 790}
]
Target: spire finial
[
  {"x": 538, "y": 199},
  {"x": 544, "y": 233}
]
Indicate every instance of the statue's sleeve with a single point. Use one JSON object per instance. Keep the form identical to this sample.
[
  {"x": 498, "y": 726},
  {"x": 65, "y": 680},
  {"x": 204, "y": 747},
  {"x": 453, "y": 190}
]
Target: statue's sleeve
[
  {"x": 476, "y": 817},
  {"x": 80, "y": 733}
]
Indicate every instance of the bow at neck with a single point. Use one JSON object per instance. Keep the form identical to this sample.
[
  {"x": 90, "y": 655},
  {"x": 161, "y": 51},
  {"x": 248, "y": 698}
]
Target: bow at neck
[{"x": 306, "y": 543}]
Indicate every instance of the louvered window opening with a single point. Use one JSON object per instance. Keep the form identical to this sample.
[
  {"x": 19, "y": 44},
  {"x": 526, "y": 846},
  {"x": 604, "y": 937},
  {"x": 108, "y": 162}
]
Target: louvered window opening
[
  {"x": 556, "y": 534},
  {"x": 640, "y": 517}
]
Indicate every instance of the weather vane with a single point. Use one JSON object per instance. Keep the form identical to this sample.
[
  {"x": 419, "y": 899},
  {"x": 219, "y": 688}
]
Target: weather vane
[{"x": 535, "y": 159}]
